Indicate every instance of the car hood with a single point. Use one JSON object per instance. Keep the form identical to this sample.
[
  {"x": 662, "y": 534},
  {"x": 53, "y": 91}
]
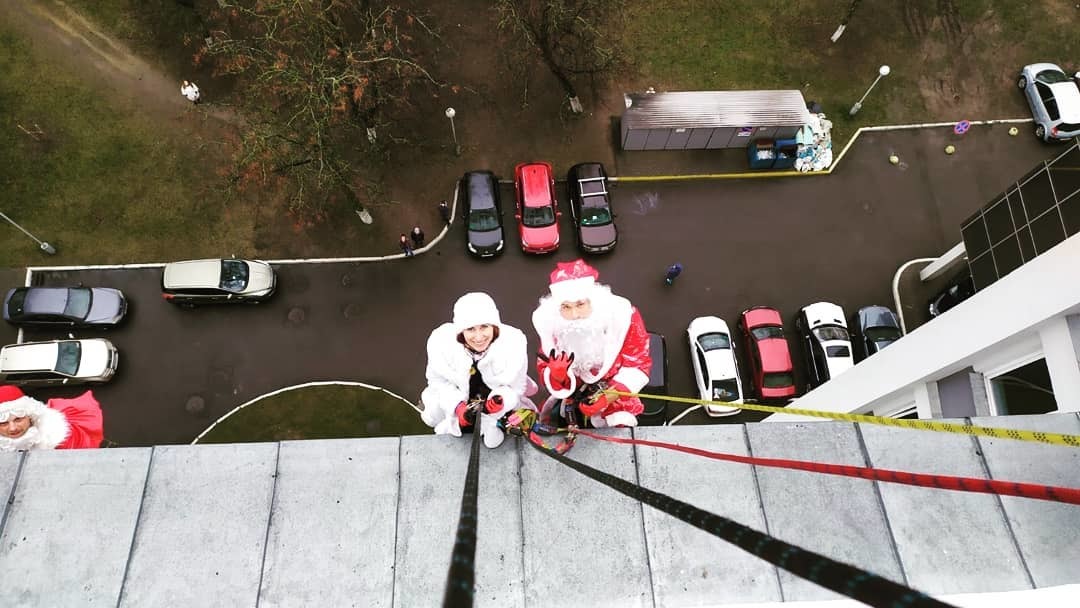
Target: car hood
[
  {"x": 598, "y": 236},
  {"x": 95, "y": 357},
  {"x": 544, "y": 236},
  {"x": 107, "y": 306},
  {"x": 485, "y": 238},
  {"x": 775, "y": 356},
  {"x": 260, "y": 277}
]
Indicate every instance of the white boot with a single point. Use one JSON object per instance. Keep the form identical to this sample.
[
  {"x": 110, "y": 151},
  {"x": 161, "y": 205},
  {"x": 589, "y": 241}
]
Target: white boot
[
  {"x": 621, "y": 419},
  {"x": 489, "y": 428}
]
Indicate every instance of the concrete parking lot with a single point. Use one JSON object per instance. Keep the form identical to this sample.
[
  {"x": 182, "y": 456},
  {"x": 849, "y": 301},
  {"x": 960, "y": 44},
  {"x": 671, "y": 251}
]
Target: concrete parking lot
[{"x": 784, "y": 243}]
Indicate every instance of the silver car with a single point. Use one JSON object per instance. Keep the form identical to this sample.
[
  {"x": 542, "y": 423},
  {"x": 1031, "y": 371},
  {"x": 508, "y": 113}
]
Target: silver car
[
  {"x": 58, "y": 362},
  {"x": 217, "y": 281},
  {"x": 1054, "y": 99},
  {"x": 74, "y": 306}
]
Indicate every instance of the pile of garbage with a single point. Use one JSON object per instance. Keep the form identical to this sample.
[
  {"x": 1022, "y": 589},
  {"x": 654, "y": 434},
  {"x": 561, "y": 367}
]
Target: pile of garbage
[{"x": 815, "y": 144}]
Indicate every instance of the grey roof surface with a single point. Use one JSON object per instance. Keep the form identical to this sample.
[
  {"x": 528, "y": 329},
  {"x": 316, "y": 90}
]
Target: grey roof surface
[
  {"x": 704, "y": 109},
  {"x": 371, "y": 522}
]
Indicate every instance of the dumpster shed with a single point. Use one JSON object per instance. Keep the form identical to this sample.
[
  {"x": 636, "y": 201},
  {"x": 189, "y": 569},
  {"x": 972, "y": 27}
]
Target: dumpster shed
[{"x": 700, "y": 120}]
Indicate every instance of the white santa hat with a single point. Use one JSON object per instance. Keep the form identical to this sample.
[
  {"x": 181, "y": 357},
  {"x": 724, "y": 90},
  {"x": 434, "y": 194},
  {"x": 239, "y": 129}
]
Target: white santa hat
[
  {"x": 48, "y": 427},
  {"x": 476, "y": 308},
  {"x": 573, "y": 281}
]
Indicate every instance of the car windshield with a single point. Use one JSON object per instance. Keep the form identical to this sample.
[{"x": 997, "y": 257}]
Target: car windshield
[
  {"x": 234, "y": 275},
  {"x": 483, "y": 220},
  {"x": 714, "y": 341},
  {"x": 778, "y": 380},
  {"x": 78, "y": 303},
  {"x": 595, "y": 216},
  {"x": 837, "y": 351},
  {"x": 876, "y": 334},
  {"x": 764, "y": 333},
  {"x": 538, "y": 217},
  {"x": 831, "y": 332},
  {"x": 18, "y": 299},
  {"x": 725, "y": 390},
  {"x": 1052, "y": 76},
  {"x": 67, "y": 358}
]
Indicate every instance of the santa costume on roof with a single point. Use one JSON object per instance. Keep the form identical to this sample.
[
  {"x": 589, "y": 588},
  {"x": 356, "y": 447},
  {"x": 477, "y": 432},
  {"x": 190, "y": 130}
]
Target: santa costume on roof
[
  {"x": 610, "y": 345},
  {"x": 61, "y": 424},
  {"x": 502, "y": 367}
]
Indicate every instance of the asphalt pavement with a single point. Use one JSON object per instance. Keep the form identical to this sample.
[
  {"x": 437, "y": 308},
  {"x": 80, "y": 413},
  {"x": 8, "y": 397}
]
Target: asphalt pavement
[{"x": 785, "y": 243}]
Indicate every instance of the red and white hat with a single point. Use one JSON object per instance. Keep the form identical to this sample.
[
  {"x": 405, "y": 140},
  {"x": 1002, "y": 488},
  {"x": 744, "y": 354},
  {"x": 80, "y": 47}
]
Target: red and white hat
[
  {"x": 15, "y": 404},
  {"x": 48, "y": 426},
  {"x": 573, "y": 281}
]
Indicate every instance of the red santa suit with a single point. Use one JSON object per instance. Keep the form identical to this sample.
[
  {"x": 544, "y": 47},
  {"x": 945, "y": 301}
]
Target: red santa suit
[
  {"x": 610, "y": 345},
  {"x": 502, "y": 368},
  {"x": 62, "y": 424}
]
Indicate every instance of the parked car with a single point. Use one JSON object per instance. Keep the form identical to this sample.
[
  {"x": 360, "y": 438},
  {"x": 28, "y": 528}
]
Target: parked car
[
  {"x": 68, "y": 306},
  {"x": 826, "y": 342},
  {"x": 590, "y": 207},
  {"x": 771, "y": 372},
  {"x": 656, "y": 409},
  {"x": 878, "y": 328},
  {"x": 537, "y": 207},
  {"x": 483, "y": 214},
  {"x": 716, "y": 373},
  {"x": 58, "y": 362},
  {"x": 217, "y": 281},
  {"x": 959, "y": 289},
  {"x": 1054, "y": 99}
]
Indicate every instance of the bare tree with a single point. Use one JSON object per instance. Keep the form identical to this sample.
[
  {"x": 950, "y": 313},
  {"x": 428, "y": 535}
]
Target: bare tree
[
  {"x": 316, "y": 77},
  {"x": 567, "y": 36}
]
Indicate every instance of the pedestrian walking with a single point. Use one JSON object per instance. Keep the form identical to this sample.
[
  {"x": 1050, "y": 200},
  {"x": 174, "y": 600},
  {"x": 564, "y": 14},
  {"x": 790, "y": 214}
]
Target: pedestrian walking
[
  {"x": 190, "y": 90},
  {"x": 417, "y": 237},
  {"x": 673, "y": 272},
  {"x": 444, "y": 211},
  {"x": 404, "y": 243}
]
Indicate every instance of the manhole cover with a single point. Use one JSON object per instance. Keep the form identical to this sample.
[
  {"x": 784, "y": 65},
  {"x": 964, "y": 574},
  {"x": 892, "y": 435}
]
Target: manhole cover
[
  {"x": 297, "y": 315},
  {"x": 195, "y": 405},
  {"x": 352, "y": 311}
]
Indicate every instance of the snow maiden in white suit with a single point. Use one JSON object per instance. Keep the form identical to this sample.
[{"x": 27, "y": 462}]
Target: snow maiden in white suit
[{"x": 475, "y": 358}]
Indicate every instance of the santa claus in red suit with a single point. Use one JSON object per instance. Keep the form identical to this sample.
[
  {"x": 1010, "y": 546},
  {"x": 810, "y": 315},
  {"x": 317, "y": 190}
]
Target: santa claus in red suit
[
  {"x": 591, "y": 340},
  {"x": 28, "y": 424}
]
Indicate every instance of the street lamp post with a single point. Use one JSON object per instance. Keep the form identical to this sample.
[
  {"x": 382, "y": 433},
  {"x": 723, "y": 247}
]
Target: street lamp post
[
  {"x": 47, "y": 248},
  {"x": 882, "y": 71},
  {"x": 450, "y": 113}
]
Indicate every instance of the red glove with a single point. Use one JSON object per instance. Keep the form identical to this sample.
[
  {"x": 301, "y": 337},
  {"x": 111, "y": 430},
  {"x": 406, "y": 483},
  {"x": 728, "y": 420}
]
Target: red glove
[
  {"x": 559, "y": 366},
  {"x": 600, "y": 401},
  {"x": 493, "y": 405},
  {"x": 465, "y": 414}
]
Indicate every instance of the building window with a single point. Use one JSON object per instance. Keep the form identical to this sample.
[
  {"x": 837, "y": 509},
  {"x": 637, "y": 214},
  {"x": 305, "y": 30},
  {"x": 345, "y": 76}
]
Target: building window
[{"x": 1023, "y": 390}]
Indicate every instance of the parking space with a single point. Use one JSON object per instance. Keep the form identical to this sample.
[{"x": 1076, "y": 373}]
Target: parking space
[{"x": 784, "y": 243}]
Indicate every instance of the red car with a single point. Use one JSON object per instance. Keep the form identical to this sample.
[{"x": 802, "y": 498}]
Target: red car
[
  {"x": 537, "y": 208},
  {"x": 770, "y": 358}
]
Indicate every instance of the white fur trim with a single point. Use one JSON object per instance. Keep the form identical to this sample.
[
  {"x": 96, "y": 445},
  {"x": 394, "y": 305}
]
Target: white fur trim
[
  {"x": 632, "y": 378},
  {"x": 572, "y": 290},
  {"x": 50, "y": 426},
  {"x": 614, "y": 312},
  {"x": 621, "y": 419}
]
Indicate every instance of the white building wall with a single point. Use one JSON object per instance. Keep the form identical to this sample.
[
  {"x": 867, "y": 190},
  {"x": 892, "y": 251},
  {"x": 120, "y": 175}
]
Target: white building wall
[{"x": 1028, "y": 314}]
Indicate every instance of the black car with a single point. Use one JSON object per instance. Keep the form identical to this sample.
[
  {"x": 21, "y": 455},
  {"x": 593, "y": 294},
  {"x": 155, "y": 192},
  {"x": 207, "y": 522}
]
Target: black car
[
  {"x": 878, "y": 328},
  {"x": 590, "y": 206},
  {"x": 483, "y": 214},
  {"x": 656, "y": 409},
  {"x": 959, "y": 289},
  {"x": 67, "y": 306}
]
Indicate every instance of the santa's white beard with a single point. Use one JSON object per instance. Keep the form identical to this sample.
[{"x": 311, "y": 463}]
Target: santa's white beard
[
  {"x": 27, "y": 441},
  {"x": 585, "y": 339}
]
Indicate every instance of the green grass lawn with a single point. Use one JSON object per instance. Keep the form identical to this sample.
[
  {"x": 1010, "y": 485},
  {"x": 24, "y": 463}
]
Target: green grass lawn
[{"x": 320, "y": 412}]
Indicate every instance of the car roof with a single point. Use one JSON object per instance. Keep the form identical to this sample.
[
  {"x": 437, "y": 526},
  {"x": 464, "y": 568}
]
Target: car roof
[
  {"x": 193, "y": 273},
  {"x": 536, "y": 184},
  {"x": 51, "y": 300},
  {"x": 721, "y": 363},
  {"x": 761, "y": 315},
  {"x": 1067, "y": 96},
  {"x": 28, "y": 356},
  {"x": 824, "y": 313},
  {"x": 481, "y": 187}
]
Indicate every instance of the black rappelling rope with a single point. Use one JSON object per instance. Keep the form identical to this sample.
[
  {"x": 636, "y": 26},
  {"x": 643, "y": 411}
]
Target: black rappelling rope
[
  {"x": 837, "y": 576},
  {"x": 461, "y": 577}
]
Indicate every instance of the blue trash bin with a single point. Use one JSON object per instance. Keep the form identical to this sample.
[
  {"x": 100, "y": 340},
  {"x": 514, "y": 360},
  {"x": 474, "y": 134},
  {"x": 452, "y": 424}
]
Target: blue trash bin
[
  {"x": 762, "y": 153},
  {"x": 787, "y": 150}
]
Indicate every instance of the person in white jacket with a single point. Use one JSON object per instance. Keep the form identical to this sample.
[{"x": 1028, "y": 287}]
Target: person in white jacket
[{"x": 477, "y": 369}]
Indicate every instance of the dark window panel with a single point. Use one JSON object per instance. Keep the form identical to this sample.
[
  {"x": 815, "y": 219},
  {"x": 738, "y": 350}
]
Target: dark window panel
[
  {"x": 1048, "y": 231},
  {"x": 1070, "y": 213},
  {"x": 1038, "y": 196},
  {"x": 983, "y": 272},
  {"x": 1065, "y": 174},
  {"x": 1016, "y": 205},
  {"x": 974, "y": 234},
  {"x": 999, "y": 222},
  {"x": 1027, "y": 244},
  {"x": 1007, "y": 256}
]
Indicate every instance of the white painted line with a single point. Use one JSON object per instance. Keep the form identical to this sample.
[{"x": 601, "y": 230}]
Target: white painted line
[
  {"x": 896, "y": 289},
  {"x": 299, "y": 386}
]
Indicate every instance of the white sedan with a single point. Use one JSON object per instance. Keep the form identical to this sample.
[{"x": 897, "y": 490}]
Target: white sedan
[{"x": 716, "y": 372}]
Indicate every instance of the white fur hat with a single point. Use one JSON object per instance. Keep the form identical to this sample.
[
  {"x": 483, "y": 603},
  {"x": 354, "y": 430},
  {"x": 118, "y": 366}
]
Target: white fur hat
[{"x": 476, "y": 308}]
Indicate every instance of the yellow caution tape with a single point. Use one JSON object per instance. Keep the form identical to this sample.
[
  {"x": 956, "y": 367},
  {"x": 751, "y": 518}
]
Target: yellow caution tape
[{"x": 925, "y": 425}]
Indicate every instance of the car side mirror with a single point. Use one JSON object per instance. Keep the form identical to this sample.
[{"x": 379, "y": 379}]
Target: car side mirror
[
  {"x": 66, "y": 380},
  {"x": 71, "y": 335}
]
